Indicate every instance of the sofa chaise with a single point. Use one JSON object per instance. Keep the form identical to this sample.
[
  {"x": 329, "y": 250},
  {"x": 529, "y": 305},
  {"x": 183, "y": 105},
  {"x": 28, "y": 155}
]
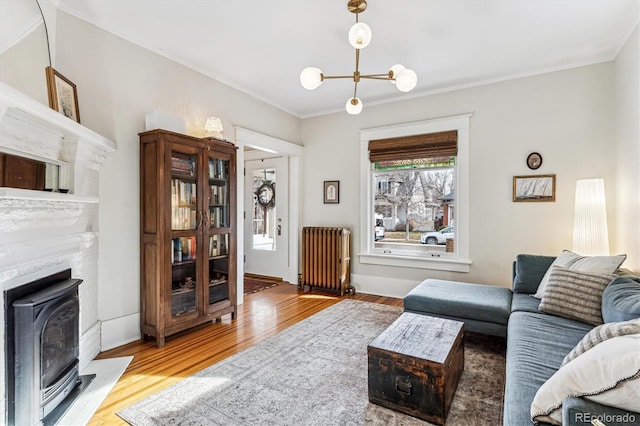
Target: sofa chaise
[{"x": 537, "y": 342}]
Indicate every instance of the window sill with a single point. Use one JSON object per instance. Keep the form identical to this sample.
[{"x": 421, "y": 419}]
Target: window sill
[{"x": 452, "y": 265}]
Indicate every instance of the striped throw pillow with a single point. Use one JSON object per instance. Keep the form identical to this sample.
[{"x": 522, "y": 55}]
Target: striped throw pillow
[
  {"x": 575, "y": 295},
  {"x": 600, "y": 334}
]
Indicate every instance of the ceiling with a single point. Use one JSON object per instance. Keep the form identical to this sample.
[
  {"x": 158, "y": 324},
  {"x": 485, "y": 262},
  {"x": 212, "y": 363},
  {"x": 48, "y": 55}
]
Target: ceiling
[{"x": 260, "y": 46}]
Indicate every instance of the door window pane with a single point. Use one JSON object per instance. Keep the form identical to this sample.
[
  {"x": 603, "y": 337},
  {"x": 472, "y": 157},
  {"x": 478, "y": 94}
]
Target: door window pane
[{"x": 264, "y": 209}]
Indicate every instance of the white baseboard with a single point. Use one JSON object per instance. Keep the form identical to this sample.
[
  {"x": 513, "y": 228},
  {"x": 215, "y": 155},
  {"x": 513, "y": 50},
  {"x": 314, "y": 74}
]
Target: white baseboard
[
  {"x": 382, "y": 286},
  {"x": 120, "y": 331}
]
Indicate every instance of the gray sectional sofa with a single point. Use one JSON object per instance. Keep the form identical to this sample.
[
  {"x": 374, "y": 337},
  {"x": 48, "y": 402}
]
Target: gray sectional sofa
[{"x": 537, "y": 342}]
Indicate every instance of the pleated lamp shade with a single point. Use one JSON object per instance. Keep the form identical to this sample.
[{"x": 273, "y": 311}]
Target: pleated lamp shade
[{"x": 590, "y": 234}]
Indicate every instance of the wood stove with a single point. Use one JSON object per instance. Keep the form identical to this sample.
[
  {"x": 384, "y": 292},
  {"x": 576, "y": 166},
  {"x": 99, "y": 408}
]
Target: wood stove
[{"x": 43, "y": 339}]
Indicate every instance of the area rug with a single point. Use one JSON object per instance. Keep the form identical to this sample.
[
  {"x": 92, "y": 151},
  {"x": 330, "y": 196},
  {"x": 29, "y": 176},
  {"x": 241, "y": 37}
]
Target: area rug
[
  {"x": 315, "y": 373},
  {"x": 252, "y": 285}
]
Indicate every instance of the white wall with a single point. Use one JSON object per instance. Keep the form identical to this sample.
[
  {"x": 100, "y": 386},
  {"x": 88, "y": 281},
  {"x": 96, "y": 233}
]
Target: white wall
[
  {"x": 118, "y": 83},
  {"x": 567, "y": 116},
  {"x": 23, "y": 65},
  {"x": 627, "y": 212}
]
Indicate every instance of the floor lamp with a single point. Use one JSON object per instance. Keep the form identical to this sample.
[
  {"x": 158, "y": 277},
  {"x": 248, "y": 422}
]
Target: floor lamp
[{"x": 590, "y": 234}]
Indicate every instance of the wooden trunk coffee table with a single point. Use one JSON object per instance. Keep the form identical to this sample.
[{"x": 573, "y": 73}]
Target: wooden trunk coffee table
[{"x": 415, "y": 365}]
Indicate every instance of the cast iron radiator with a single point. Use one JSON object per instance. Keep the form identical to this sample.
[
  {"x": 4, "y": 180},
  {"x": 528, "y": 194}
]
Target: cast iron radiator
[{"x": 326, "y": 259}]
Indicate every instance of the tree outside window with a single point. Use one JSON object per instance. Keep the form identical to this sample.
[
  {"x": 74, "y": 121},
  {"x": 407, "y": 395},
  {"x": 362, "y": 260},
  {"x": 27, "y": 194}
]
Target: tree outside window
[{"x": 412, "y": 196}]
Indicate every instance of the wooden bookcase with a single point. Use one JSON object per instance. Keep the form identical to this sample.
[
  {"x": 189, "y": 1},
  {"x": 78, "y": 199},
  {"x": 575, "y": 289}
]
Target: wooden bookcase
[{"x": 187, "y": 232}]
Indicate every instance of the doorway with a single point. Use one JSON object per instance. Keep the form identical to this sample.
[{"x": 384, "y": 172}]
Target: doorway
[
  {"x": 266, "y": 205},
  {"x": 291, "y": 154}
]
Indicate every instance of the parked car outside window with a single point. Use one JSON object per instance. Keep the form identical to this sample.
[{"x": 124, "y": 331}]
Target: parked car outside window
[{"x": 437, "y": 237}]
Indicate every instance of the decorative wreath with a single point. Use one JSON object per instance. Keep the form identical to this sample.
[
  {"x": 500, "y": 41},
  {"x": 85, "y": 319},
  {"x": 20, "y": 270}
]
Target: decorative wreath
[{"x": 266, "y": 194}]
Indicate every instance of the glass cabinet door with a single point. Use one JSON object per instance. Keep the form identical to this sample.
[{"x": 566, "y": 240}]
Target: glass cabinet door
[
  {"x": 218, "y": 193},
  {"x": 219, "y": 222},
  {"x": 184, "y": 222},
  {"x": 218, "y": 268}
]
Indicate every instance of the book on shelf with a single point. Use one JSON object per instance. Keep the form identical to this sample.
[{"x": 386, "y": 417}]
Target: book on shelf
[
  {"x": 213, "y": 246},
  {"x": 183, "y": 192},
  {"x": 218, "y": 245},
  {"x": 217, "y": 194},
  {"x": 182, "y": 163},
  {"x": 218, "y": 217},
  {"x": 217, "y": 169},
  {"x": 176, "y": 248},
  {"x": 183, "y": 249},
  {"x": 188, "y": 248},
  {"x": 183, "y": 218},
  {"x": 183, "y": 200}
]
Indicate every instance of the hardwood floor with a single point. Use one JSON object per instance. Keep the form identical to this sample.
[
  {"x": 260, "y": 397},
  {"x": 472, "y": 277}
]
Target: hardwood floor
[{"x": 262, "y": 315}]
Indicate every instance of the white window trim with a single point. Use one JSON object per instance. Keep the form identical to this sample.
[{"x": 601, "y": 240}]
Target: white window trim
[{"x": 461, "y": 262}]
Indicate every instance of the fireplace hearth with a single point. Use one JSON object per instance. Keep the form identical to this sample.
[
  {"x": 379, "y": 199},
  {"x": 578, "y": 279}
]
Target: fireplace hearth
[{"x": 43, "y": 339}]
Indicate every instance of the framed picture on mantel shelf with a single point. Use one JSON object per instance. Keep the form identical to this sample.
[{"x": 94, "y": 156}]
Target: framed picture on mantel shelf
[{"x": 63, "y": 96}]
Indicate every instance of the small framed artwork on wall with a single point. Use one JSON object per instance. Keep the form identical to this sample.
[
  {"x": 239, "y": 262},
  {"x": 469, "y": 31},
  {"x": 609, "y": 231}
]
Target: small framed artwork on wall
[
  {"x": 331, "y": 191},
  {"x": 534, "y": 188},
  {"x": 63, "y": 96}
]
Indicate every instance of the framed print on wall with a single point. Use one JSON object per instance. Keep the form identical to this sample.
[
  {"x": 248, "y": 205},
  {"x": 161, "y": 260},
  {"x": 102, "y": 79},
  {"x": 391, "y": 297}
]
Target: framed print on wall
[
  {"x": 63, "y": 96},
  {"x": 331, "y": 191},
  {"x": 534, "y": 188}
]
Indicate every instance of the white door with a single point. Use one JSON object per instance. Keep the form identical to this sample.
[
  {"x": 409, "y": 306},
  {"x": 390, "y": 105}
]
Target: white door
[{"x": 266, "y": 231}]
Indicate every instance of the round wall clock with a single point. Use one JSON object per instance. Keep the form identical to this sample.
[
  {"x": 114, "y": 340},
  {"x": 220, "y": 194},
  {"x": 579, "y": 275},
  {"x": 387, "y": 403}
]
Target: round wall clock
[
  {"x": 266, "y": 195},
  {"x": 534, "y": 160}
]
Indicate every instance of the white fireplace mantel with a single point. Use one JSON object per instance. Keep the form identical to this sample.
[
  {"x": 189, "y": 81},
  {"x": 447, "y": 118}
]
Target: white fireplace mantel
[
  {"x": 45, "y": 232},
  {"x": 33, "y": 130},
  {"x": 15, "y": 103}
]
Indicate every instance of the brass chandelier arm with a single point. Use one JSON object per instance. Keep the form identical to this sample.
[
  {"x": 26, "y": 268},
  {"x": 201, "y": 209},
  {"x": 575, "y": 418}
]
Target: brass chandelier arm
[
  {"x": 327, "y": 77},
  {"x": 384, "y": 76},
  {"x": 356, "y": 73},
  {"x": 357, "y": 76},
  {"x": 355, "y": 88}
]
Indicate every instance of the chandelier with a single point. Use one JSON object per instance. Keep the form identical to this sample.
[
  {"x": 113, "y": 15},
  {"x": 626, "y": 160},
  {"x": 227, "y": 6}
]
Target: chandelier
[{"x": 360, "y": 37}]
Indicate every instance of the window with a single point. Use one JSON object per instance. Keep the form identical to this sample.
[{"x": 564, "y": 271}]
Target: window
[
  {"x": 415, "y": 198},
  {"x": 416, "y": 176}
]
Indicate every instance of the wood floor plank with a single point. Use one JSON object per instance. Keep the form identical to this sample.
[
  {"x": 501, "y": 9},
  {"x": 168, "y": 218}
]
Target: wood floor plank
[{"x": 262, "y": 315}]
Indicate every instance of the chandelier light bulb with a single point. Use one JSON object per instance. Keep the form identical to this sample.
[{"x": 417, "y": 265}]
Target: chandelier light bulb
[
  {"x": 396, "y": 69},
  {"x": 360, "y": 35},
  {"x": 359, "y": 38},
  {"x": 311, "y": 78},
  {"x": 406, "y": 80},
  {"x": 354, "y": 106}
]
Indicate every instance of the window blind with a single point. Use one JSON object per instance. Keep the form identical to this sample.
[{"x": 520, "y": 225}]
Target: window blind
[{"x": 441, "y": 144}]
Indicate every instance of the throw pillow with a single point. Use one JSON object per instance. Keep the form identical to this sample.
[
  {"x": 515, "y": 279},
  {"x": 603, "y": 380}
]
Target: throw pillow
[
  {"x": 574, "y": 294},
  {"x": 600, "y": 334},
  {"x": 528, "y": 270},
  {"x": 602, "y": 374},
  {"x": 595, "y": 264},
  {"x": 621, "y": 299}
]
